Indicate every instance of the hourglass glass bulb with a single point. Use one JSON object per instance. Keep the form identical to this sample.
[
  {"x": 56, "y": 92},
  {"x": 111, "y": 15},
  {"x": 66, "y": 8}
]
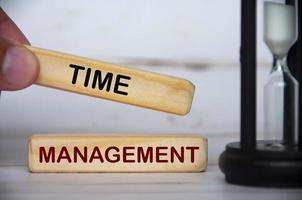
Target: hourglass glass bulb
[
  {"x": 280, "y": 30},
  {"x": 281, "y": 89}
]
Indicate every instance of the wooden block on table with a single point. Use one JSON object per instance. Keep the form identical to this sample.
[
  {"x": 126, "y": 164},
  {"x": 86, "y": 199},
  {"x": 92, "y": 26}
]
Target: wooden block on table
[{"x": 117, "y": 153}]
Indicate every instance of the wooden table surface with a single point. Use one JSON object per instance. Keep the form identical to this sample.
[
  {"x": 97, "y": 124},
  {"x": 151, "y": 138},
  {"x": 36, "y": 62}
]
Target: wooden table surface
[{"x": 17, "y": 183}]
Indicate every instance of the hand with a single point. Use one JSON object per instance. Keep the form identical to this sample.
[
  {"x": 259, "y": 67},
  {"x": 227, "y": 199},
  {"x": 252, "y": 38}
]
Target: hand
[{"x": 19, "y": 68}]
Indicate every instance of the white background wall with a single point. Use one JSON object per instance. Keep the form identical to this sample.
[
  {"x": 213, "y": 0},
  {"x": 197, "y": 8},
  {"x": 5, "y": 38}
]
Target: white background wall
[
  {"x": 173, "y": 29},
  {"x": 196, "y": 40}
]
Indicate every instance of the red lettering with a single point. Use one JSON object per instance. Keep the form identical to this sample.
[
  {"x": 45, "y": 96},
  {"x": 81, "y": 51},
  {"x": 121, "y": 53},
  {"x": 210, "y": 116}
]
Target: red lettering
[
  {"x": 125, "y": 154},
  {"x": 131, "y": 154},
  {"x": 51, "y": 154},
  {"x": 175, "y": 153},
  {"x": 117, "y": 156},
  {"x": 146, "y": 156},
  {"x": 64, "y": 155},
  {"x": 192, "y": 152},
  {"x": 159, "y": 154},
  {"x": 96, "y": 154},
  {"x": 77, "y": 152}
]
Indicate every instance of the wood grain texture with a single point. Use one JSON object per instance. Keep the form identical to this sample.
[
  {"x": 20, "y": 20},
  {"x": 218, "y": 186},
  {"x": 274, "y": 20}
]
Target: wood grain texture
[
  {"x": 131, "y": 86},
  {"x": 117, "y": 153}
]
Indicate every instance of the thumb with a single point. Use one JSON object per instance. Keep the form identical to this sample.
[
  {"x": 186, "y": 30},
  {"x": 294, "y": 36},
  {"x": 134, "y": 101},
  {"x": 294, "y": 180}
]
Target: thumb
[{"x": 19, "y": 67}]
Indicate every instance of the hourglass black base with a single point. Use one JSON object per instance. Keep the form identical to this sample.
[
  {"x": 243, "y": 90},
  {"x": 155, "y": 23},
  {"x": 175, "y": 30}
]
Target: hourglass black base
[{"x": 269, "y": 164}]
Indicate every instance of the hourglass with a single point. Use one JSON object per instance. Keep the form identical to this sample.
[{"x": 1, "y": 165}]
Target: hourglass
[
  {"x": 277, "y": 160},
  {"x": 281, "y": 89}
]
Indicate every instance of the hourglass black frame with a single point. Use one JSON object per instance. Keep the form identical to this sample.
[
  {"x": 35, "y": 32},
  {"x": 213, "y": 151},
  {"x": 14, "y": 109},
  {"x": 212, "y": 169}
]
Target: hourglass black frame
[{"x": 250, "y": 161}]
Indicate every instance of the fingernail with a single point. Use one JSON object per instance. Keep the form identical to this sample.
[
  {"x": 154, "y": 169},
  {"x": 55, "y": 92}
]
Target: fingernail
[{"x": 19, "y": 66}]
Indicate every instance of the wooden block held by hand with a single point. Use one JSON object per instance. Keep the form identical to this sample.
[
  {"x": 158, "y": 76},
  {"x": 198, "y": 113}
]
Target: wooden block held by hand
[
  {"x": 113, "y": 82},
  {"x": 117, "y": 153}
]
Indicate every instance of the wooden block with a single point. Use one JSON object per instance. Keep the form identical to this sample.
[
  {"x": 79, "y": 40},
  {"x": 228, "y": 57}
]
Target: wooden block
[
  {"x": 112, "y": 82},
  {"x": 117, "y": 153}
]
